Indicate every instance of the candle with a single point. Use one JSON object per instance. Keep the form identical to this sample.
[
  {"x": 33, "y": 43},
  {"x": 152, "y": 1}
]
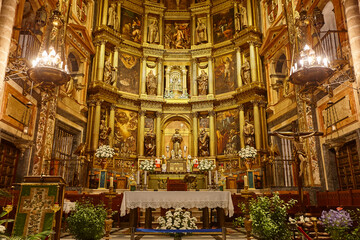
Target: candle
[
  {"x": 246, "y": 183},
  {"x": 209, "y": 177},
  {"x": 216, "y": 177},
  {"x": 111, "y": 182},
  {"x": 145, "y": 177},
  {"x": 138, "y": 177}
]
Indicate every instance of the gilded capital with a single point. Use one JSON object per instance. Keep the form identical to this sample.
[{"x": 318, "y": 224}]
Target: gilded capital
[
  {"x": 112, "y": 107},
  {"x": 158, "y": 114},
  {"x": 241, "y": 107},
  {"x": 142, "y": 112},
  {"x": 211, "y": 113},
  {"x": 194, "y": 114},
  {"x": 98, "y": 102}
]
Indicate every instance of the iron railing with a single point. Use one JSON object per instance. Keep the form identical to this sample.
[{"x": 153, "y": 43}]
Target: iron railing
[
  {"x": 28, "y": 46},
  {"x": 332, "y": 45}
]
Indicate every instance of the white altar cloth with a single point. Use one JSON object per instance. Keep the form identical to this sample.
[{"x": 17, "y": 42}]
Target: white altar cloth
[{"x": 177, "y": 199}]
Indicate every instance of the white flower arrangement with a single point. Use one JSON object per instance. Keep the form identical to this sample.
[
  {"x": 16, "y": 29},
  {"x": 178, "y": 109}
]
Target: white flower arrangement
[
  {"x": 247, "y": 152},
  {"x": 180, "y": 219},
  {"x": 105, "y": 151},
  {"x": 147, "y": 165},
  {"x": 206, "y": 165}
]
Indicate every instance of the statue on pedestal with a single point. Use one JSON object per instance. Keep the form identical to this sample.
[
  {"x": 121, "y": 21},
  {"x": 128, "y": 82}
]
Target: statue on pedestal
[
  {"x": 176, "y": 139},
  {"x": 109, "y": 72},
  {"x": 202, "y": 83},
  {"x": 204, "y": 140},
  {"x": 153, "y": 34},
  {"x": 151, "y": 83},
  {"x": 243, "y": 17},
  {"x": 150, "y": 146},
  {"x": 104, "y": 133},
  {"x": 246, "y": 74},
  {"x": 112, "y": 15},
  {"x": 201, "y": 32},
  {"x": 249, "y": 133}
]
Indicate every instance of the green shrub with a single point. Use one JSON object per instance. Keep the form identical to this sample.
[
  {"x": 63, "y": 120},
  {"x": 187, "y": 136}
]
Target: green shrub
[
  {"x": 269, "y": 217},
  {"x": 87, "y": 222}
]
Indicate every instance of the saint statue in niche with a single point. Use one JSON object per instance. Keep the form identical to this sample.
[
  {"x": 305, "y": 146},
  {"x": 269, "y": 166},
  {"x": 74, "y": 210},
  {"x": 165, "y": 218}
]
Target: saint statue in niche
[
  {"x": 109, "y": 73},
  {"x": 202, "y": 83},
  {"x": 104, "y": 133},
  {"x": 151, "y": 83},
  {"x": 204, "y": 140},
  {"x": 112, "y": 15},
  {"x": 176, "y": 139},
  {"x": 149, "y": 142},
  {"x": 201, "y": 32},
  {"x": 243, "y": 17},
  {"x": 245, "y": 69},
  {"x": 153, "y": 34},
  {"x": 249, "y": 133}
]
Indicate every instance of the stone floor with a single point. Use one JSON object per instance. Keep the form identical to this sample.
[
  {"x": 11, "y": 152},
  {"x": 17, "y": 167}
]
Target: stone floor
[{"x": 123, "y": 234}]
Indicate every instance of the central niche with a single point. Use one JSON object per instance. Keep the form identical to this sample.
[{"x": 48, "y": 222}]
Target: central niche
[{"x": 176, "y": 82}]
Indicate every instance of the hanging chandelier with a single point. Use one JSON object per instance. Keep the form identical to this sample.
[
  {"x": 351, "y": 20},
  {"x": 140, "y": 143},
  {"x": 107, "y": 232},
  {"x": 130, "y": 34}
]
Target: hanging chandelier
[
  {"x": 310, "y": 69},
  {"x": 48, "y": 68}
]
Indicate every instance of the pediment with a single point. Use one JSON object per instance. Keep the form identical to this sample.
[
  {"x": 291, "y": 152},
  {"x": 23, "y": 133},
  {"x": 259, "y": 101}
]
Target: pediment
[
  {"x": 81, "y": 39},
  {"x": 272, "y": 36}
]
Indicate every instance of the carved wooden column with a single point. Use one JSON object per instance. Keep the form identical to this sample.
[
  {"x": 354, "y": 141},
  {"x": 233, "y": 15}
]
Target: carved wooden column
[
  {"x": 167, "y": 85},
  {"x": 253, "y": 63},
  {"x": 258, "y": 63},
  {"x": 242, "y": 124},
  {"x": 160, "y": 77},
  {"x": 195, "y": 116},
  {"x": 211, "y": 78},
  {"x": 105, "y": 12},
  {"x": 195, "y": 73},
  {"x": 143, "y": 76},
  {"x": 193, "y": 28},
  {"x": 212, "y": 133},
  {"x": 96, "y": 128},
  {"x": 161, "y": 28},
  {"x": 158, "y": 134},
  {"x": 264, "y": 133},
  {"x": 238, "y": 69},
  {"x": 112, "y": 124},
  {"x": 89, "y": 129},
  {"x": 184, "y": 90},
  {"x": 101, "y": 63},
  {"x": 119, "y": 14},
  {"x": 141, "y": 132},
  {"x": 208, "y": 21},
  {"x": 95, "y": 62},
  {"x": 352, "y": 14},
  {"x": 257, "y": 125},
  {"x": 249, "y": 13},
  {"x": 145, "y": 27},
  {"x": 116, "y": 62}
]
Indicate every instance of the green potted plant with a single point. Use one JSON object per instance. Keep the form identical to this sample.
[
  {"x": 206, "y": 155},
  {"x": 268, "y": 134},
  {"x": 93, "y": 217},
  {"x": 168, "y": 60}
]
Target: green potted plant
[
  {"x": 269, "y": 217},
  {"x": 87, "y": 222}
]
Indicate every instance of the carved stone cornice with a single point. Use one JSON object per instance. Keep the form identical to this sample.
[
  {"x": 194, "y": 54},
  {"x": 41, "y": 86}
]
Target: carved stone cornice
[
  {"x": 249, "y": 34},
  {"x": 249, "y": 92},
  {"x": 201, "y": 52},
  {"x": 202, "y": 105},
  {"x": 153, "y": 52},
  {"x": 105, "y": 91}
]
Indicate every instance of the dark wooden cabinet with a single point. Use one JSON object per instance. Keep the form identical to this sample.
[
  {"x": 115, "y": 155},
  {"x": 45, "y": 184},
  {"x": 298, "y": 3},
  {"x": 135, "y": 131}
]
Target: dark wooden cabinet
[{"x": 9, "y": 156}]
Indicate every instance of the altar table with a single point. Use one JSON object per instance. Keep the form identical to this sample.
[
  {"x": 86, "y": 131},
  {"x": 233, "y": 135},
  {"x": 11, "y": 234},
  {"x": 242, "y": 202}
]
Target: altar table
[{"x": 177, "y": 199}]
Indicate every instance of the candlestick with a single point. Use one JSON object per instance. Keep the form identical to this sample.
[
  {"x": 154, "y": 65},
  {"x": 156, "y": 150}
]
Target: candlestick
[
  {"x": 216, "y": 177},
  {"x": 209, "y": 177},
  {"x": 138, "y": 177},
  {"x": 111, "y": 182},
  {"x": 145, "y": 177},
  {"x": 246, "y": 183}
]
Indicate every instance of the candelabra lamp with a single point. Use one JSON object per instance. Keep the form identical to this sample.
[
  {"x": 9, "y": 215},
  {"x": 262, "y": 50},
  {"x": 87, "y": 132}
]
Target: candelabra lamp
[
  {"x": 108, "y": 221},
  {"x": 247, "y": 222}
]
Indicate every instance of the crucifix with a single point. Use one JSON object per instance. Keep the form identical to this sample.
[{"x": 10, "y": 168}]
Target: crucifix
[{"x": 300, "y": 158}]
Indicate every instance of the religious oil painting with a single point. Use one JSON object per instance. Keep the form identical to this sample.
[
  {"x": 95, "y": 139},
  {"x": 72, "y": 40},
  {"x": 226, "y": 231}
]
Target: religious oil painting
[
  {"x": 223, "y": 26},
  {"x": 125, "y": 134},
  {"x": 129, "y": 73},
  {"x": 227, "y": 132},
  {"x": 177, "y": 35},
  {"x": 225, "y": 73},
  {"x": 177, "y": 4},
  {"x": 131, "y": 25},
  {"x": 149, "y": 123}
]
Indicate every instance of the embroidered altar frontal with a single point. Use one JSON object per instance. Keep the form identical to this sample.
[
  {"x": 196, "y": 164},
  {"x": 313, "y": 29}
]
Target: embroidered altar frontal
[{"x": 35, "y": 208}]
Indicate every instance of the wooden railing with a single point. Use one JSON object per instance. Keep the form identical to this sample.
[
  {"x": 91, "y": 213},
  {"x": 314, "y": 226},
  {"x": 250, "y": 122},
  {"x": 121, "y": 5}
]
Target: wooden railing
[
  {"x": 331, "y": 45},
  {"x": 347, "y": 198},
  {"x": 28, "y": 45}
]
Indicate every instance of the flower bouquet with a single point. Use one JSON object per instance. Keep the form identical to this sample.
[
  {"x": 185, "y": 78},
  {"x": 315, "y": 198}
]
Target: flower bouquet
[
  {"x": 104, "y": 152},
  {"x": 206, "y": 165},
  {"x": 180, "y": 219},
  {"x": 147, "y": 165},
  {"x": 248, "y": 154},
  {"x": 337, "y": 223}
]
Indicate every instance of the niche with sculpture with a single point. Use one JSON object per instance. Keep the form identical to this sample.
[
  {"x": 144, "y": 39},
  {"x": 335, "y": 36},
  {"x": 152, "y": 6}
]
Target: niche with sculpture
[{"x": 176, "y": 82}]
